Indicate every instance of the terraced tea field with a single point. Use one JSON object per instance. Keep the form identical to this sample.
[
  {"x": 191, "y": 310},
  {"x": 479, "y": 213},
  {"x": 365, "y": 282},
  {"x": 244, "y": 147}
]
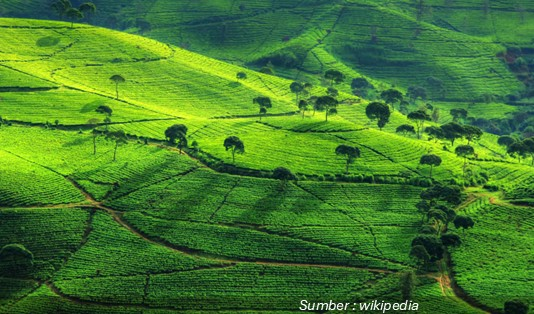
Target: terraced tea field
[{"x": 136, "y": 225}]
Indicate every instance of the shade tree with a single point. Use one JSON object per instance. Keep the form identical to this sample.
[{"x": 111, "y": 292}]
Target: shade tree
[
  {"x": 405, "y": 129},
  {"x": 452, "y": 131},
  {"x": 350, "y": 153},
  {"x": 391, "y": 96},
  {"x": 117, "y": 79},
  {"x": 118, "y": 138},
  {"x": 432, "y": 245},
  {"x": 464, "y": 222},
  {"x": 378, "y": 111},
  {"x": 235, "y": 145},
  {"x": 431, "y": 160},
  {"x": 334, "y": 76},
  {"x": 296, "y": 88},
  {"x": 241, "y": 76},
  {"x": 328, "y": 104},
  {"x": 419, "y": 117}
]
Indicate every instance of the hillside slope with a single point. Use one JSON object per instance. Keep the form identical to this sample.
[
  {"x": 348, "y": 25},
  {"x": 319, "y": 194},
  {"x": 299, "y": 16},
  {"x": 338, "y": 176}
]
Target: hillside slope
[{"x": 396, "y": 43}]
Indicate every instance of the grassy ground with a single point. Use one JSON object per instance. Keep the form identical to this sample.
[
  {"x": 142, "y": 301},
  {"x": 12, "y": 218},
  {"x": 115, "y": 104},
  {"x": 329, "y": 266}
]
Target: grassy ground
[{"x": 168, "y": 220}]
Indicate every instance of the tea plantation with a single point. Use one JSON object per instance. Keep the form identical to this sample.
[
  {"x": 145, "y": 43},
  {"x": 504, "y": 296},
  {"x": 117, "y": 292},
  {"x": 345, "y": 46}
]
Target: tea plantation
[{"x": 117, "y": 217}]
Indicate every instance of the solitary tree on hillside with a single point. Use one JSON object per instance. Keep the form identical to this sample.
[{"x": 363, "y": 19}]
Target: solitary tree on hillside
[
  {"x": 235, "y": 145},
  {"x": 241, "y": 76},
  {"x": 177, "y": 132},
  {"x": 119, "y": 138},
  {"x": 327, "y": 104},
  {"x": 334, "y": 76},
  {"x": 95, "y": 134},
  {"x": 117, "y": 79},
  {"x": 472, "y": 133},
  {"x": 391, "y": 96},
  {"x": 88, "y": 9},
  {"x": 431, "y": 160},
  {"x": 61, "y": 7},
  {"x": 264, "y": 103},
  {"x": 15, "y": 260},
  {"x": 405, "y": 129},
  {"x": 452, "y": 131},
  {"x": 419, "y": 117},
  {"x": 73, "y": 14},
  {"x": 303, "y": 106},
  {"x": 350, "y": 153},
  {"x": 434, "y": 133},
  {"x": 464, "y": 151},
  {"x": 296, "y": 88},
  {"x": 378, "y": 111},
  {"x": 284, "y": 175},
  {"x": 517, "y": 150}
]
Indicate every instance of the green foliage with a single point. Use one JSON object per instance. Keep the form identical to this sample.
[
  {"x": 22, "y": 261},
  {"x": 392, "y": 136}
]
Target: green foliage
[
  {"x": 15, "y": 260},
  {"x": 378, "y": 111}
]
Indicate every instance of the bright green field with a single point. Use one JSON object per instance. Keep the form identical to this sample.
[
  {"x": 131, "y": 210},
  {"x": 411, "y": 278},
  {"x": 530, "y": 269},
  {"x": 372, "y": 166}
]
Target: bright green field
[{"x": 159, "y": 231}]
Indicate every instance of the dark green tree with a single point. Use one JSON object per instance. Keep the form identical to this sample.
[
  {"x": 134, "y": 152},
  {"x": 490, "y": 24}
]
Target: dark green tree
[
  {"x": 464, "y": 151},
  {"x": 434, "y": 133},
  {"x": 420, "y": 255},
  {"x": 451, "y": 239},
  {"x": 451, "y": 194},
  {"x": 416, "y": 92},
  {"x": 119, "y": 138},
  {"x": 61, "y": 7},
  {"x": 334, "y": 76},
  {"x": 529, "y": 147},
  {"x": 117, "y": 79},
  {"x": 432, "y": 244},
  {"x": 296, "y": 88},
  {"x": 472, "y": 133},
  {"x": 391, "y": 96},
  {"x": 405, "y": 129},
  {"x": 284, "y": 175},
  {"x": 241, "y": 76},
  {"x": 350, "y": 153},
  {"x": 458, "y": 114},
  {"x": 518, "y": 150},
  {"x": 506, "y": 141},
  {"x": 303, "y": 107},
  {"x": 264, "y": 103},
  {"x": 176, "y": 132},
  {"x": 235, "y": 145},
  {"x": 73, "y": 15},
  {"x": 327, "y": 104},
  {"x": 452, "y": 131},
  {"x": 88, "y": 9},
  {"x": 419, "y": 117},
  {"x": 423, "y": 207},
  {"x": 464, "y": 222},
  {"x": 378, "y": 111},
  {"x": 431, "y": 160}
]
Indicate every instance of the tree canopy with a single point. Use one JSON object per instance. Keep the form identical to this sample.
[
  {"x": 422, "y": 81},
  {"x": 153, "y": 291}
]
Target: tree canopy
[
  {"x": 378, "y": 111},
  {"x": 431, "y": 160},
  {"x": 419, "y": 117},
  {"x": 235, "y": 145},
  {"x": 350, "y": 153},
  {"x": 327, "y": 104}
]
